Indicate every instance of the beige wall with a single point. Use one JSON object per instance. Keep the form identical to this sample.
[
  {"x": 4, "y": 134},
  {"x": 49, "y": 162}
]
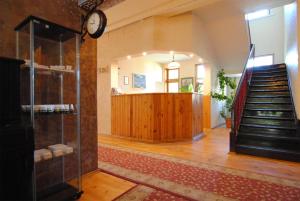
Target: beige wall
[
  {"x": 268, "y": 35},
  {"x": 174, "y": 33},
  {"x": 103, "y": 101},
  {"x": 292, "y": 51},
  {"x": 152, "y": 70}
]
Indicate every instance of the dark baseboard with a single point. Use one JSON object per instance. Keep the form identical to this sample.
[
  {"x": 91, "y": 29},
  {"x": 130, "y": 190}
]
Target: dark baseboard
[{"x": 219, "y": 125}]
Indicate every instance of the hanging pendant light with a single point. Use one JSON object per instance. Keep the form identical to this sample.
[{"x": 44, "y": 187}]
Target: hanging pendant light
[{"x": 173, "y": 64}]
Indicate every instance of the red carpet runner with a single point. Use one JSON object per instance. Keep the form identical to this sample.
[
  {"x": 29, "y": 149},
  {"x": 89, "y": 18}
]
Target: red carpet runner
[{"x": 194, "y": 181}]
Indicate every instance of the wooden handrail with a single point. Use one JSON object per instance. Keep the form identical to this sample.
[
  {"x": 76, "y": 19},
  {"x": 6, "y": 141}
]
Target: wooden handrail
[
  {"x": 244, "y": 73},
  {"x": 240, "y": 97}
]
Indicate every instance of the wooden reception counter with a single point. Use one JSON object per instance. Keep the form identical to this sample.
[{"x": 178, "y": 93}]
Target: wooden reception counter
[{"x": 157, "y": 117}]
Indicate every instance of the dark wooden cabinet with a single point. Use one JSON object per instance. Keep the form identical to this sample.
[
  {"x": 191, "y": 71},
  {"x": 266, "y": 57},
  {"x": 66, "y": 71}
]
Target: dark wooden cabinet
[
  {"x": 16, "y": 163},
  {"x": 16, "y": 138}
]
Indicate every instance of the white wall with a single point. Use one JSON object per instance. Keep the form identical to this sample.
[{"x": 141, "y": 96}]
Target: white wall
[
  {"x": 188, "y": 69},
  {"x": 152, "y": 70},
  {"x": 291, "y": 51},
  {"x": 268, "y": 35},
  {"x": 181, "y": 33},
  {"x": 114, "y": 74},
  {"x": 227, "y": 33}
]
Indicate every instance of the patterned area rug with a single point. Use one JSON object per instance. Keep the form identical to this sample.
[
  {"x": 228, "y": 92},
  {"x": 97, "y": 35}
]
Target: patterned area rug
[
  {"x": 145, "y": 193},
  {"x": 190, "y": 180}
]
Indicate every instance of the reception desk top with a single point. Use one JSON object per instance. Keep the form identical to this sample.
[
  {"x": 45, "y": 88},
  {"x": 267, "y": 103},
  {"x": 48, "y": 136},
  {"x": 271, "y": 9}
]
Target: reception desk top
[
  {"x": 158, "y": 93},
  {"x": 157, "y": 117}
]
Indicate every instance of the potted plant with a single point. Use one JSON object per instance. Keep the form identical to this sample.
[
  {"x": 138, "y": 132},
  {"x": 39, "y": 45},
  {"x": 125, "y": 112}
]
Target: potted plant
[{"x": 221, "y": 96}]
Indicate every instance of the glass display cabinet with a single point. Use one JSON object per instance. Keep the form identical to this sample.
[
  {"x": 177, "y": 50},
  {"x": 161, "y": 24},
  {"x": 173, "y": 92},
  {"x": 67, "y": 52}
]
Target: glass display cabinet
[{"x": 50, "y": 101}]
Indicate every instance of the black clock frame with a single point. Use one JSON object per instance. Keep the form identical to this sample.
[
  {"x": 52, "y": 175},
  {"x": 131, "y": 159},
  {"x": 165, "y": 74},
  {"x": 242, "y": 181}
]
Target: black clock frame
[
  {"x": 102, "y": 26},
  {"x": 87, "y": 12}
]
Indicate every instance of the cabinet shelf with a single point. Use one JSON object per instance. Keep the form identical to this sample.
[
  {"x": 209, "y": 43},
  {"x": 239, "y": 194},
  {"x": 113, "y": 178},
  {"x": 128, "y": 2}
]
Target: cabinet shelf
[
  {"x": 51, "y": 113},
  {"x": 50, "y": 109},
  {"x": 47, "y": 68},
  {"x": 54, "y": 157}
]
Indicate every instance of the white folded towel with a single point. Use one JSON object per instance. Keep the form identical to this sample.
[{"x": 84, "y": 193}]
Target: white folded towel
[
  {"x": 42, "y": 154},
  {"x": 60, "y": 149}
]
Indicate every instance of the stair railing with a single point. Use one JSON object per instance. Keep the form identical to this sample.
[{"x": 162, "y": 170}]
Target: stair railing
[{"x": 240, "y": 98}]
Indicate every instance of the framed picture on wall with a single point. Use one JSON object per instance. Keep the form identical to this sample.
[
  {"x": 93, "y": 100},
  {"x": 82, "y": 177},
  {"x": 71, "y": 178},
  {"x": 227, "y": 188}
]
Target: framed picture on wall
[
  {"x": 139, "y": 81},
  {"x": 186, "y": 81},
  {"x": 126, "y": 80}
]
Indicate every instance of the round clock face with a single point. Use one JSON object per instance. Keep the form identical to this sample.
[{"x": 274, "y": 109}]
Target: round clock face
[
  {"x": 96, "y": 23},
  {"x": 93, "y": 23}
]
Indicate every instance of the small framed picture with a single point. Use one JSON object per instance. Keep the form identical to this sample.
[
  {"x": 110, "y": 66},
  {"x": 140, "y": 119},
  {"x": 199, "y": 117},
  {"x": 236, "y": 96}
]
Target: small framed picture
[
  {"x": 185, "y": 82},
  {"x": 139, "y": 81},
  {"x": 126, "y": 80}
]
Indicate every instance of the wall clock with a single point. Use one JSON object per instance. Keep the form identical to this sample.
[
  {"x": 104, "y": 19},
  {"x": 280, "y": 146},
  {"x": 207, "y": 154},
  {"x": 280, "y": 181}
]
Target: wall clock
[{"x": 96, "y": 23}]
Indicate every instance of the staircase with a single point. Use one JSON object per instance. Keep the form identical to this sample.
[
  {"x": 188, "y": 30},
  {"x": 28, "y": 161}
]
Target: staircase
[{"x": 268, "y": 125}]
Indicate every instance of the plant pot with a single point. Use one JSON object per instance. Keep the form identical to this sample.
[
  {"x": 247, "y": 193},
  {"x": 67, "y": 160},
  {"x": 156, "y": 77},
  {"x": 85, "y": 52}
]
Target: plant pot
[{"x": 228, "y": 122}]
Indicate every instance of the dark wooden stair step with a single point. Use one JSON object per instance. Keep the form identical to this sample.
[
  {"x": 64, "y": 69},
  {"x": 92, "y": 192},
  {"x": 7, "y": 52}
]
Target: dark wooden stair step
[
  {"x": 269, "y": 117},
  {"x": 282, "y": 127},
  {"x": 269, "y": 84},
  {"x": 269, "y": 94},
  {"x": 273, "y": 107},
  {"x": 262, "y": 72},
  {"x": 270, "y": 75},
  {"x": 250, "y": 128},
  {"x": 262, "y": 102},
  {"x": 270, "y": 109},
  {"x": 267, "y": 137},
  {"x": 269, "y": 100},
  {"x": 270, "y": 67},
  {"x": 269, "y": 122},
  {"x": 269, "y": 81},
  {"x": 271, "y": 141},
  {"x": 270, "y": 78},
  {"x": 268, "y": 152},
  {"x": 268, "y": 113},
  {"x": 269, "y": 89}
]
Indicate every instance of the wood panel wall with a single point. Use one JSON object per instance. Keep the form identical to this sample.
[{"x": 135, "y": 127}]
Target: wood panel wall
[
  {"x": 157, "y": 117},
  {"x": 207, "y": 112}
]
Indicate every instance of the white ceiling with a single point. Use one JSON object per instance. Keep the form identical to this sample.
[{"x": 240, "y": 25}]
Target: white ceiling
[
  {"x": 130, "y": 11},
  {"x": 165, "y": 58},
  {"x": 224, "y": 22}
]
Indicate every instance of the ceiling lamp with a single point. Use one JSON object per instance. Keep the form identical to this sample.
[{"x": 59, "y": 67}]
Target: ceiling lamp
[{"x": 173, "y": 64}]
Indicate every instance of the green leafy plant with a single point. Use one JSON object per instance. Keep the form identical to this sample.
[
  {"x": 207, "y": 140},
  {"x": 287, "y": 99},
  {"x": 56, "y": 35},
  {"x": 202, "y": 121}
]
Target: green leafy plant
[
  {"x": 200, "y": 88},
  {"x": 221, "y": 96},
  {"x": 188, "y": 88}
]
